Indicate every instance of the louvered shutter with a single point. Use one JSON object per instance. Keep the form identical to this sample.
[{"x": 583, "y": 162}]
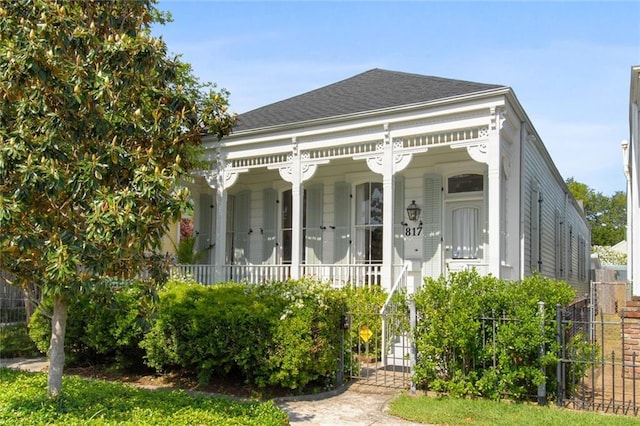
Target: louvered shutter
[
  {"x": 269, "y": 226},
  {"x": 398, "y": 217},
  {"x": 204, "y": 237},
  {"x": 534, "y": 226},
  {"x": 241, "y": 227},
  {"x": 313, "y": 243},
  {"x": 342, "y": 212},
  {"x": 432, "y": 226}
]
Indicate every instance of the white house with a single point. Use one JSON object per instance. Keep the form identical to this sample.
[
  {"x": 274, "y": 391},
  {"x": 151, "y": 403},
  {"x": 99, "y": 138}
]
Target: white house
[
  {"x": 631, "y": 157},
  {"x": 387, "y": 176}
]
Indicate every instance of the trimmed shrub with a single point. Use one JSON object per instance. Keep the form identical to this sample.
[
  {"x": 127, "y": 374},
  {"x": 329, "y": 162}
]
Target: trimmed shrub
[
  {"x": 363, "y": 306},
  {"x": 15, "y": 342},
  {"x": 283, "y": 334},
  {"x": 478, "y": 335},
  {"x": 106, "y": 323}
]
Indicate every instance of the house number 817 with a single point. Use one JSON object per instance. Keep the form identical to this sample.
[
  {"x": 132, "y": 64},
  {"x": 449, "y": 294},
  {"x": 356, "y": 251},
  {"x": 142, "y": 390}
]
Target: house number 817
[{"x": 413, "y": 232}]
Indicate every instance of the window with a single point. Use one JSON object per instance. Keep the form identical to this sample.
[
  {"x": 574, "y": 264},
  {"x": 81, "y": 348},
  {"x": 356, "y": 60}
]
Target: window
[
  {"x": 465, "y": 183},
  {"x": 368, "y": 224},
  {"x": 287, "y": 225}
]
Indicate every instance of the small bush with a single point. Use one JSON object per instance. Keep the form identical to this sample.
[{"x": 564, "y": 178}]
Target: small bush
[{"x": 15, "y": 342}]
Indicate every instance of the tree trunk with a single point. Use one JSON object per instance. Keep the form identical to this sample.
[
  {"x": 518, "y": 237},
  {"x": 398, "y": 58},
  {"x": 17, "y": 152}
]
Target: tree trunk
[
  {"x": 56, "y": 348},
  {"x": 29, "y": 302}
]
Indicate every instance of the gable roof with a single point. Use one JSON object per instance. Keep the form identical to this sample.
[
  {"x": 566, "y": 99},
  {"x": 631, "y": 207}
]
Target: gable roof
[{"x": 372, "y": 90}]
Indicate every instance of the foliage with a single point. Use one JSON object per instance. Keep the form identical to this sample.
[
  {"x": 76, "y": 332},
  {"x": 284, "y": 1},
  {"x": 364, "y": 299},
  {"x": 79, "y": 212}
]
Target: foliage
[
  {"x": 97, "y": 124},
  {"x": 462, "y": 411},
  {"x": 363, "y": 307},
  {"x": 97, "y": 402},
  {"x": 607, "y": 216},
  {"x": 478, "y": 335},
  {"x": 107, "y": 322},
  {"x": 15, "y": 342},
  {"x": 608, "y": 256},
  {"x": 283, "y": 334},
  {"x": 186, "y": 252}
]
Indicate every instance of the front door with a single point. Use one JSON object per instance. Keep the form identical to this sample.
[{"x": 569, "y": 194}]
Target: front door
[{"x": 463, "y": 236}]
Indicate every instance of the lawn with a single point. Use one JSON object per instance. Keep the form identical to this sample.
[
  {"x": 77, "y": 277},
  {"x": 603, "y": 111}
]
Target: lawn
[
  {"x": 454, "y": 411},
  {"x": 95, "y": 402}
]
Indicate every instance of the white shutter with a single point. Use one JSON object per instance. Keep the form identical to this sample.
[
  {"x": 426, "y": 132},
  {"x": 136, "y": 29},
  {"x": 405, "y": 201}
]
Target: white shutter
[
  {"x": 314, "y": 234},
  {"x": 398, "y": 217},
  {"x": 342, "y": 214},
  {"x": 241, "y": 211},
  {"x": 204, "y": 237},
  {"x": 432, "y": 225},
  {"x": 269, "y": 225}
]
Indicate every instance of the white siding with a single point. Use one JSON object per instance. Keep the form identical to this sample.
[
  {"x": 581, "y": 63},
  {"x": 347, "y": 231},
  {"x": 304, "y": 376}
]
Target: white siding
[{"x": 556, "y": 206}]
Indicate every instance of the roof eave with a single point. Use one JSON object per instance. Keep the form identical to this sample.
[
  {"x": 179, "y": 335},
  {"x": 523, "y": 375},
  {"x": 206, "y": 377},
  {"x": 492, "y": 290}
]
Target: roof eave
[{"x": 372, "y": 113}]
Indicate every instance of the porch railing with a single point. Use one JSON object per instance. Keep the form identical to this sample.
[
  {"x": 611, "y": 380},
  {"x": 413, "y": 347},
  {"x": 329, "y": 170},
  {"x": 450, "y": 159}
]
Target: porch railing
[{"x": 338, "y": 275}]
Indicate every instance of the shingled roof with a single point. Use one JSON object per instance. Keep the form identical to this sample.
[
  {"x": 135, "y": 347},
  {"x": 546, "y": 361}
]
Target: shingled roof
[{"x": 372, "y": 90}]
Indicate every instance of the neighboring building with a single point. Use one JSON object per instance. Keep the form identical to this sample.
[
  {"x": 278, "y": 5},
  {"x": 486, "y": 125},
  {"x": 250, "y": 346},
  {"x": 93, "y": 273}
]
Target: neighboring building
[
  {"x": 387, "y": 175},
  {"x": 631, "y": 157}
]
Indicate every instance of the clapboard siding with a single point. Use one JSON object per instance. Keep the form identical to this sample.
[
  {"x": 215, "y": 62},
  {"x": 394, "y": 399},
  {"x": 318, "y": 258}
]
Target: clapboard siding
[{"x": 556, "y": 205}]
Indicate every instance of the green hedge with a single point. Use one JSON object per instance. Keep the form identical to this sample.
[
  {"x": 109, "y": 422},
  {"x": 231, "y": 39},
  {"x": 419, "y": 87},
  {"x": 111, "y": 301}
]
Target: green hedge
[
  {"x": 456, "y": 349},
  {"x": 284, "y": 334},
  {"x": 106, "y": 323}
]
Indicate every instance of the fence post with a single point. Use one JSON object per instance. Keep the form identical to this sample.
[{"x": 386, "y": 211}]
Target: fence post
[
  {"x": 559, "y": 367},
  {"x": 413, "y": 350},
  {"x": 542, "y": 387}
]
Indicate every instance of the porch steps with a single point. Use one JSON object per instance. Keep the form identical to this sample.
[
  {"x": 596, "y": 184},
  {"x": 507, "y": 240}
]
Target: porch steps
[{"x": 398, "y": 353}]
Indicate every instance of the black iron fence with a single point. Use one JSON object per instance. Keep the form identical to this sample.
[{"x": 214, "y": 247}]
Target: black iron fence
[
  {"x": 605, "y": 378},
  {"x": 376, "y": 349},
  {"x": 12, "y": 303}
]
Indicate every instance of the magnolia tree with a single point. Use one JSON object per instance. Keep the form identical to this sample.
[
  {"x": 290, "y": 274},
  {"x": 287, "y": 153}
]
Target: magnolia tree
[{"x": 97, "y": 123}]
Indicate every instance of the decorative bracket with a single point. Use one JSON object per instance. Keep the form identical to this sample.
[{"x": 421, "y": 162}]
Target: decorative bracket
[{"x": 478, "y": 151}]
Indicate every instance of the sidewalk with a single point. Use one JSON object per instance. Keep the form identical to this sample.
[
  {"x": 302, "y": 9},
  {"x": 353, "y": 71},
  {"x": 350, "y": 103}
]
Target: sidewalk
[
  {"x": 354, "y": 406},
  {"x": 350, "y": 406}
]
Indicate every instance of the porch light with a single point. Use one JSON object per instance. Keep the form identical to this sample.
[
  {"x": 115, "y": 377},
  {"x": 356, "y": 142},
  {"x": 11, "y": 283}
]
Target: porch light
[{"x": 413, "y": 211}]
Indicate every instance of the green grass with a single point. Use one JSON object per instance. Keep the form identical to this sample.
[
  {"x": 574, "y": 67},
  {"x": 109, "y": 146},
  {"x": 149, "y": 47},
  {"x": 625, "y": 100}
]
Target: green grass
[
  {"x": 453, "y": 411},
  {"x": 86, "y": 402}
]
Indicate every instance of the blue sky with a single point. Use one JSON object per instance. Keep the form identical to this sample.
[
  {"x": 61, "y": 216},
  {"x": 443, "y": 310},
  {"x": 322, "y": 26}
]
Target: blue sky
[{"x": 568, "y": 62}]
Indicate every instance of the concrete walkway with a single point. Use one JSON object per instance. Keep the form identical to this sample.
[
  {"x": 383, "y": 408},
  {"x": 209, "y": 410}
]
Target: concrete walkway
[{"x": 350, "y": 406}]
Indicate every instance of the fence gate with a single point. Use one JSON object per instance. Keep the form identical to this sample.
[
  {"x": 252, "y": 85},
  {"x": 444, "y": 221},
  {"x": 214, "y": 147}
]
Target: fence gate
[
  {"x": 377, "y": 349},
  {"x": 597, "y": 370}
]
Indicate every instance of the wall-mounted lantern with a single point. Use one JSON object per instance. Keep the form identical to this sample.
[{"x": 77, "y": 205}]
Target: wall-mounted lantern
[{"x": 413, "y": 211}]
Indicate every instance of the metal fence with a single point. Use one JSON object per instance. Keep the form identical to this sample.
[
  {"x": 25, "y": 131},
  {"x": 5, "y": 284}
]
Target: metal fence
[
  {"x": 12, "y": 303},
  {"x": 377, "y": 355},
  {"x": 603, "y": 379}
]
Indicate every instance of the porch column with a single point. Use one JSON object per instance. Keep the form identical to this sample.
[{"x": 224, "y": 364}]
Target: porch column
[
  {"x": 387, "y": 211},
  {"x": 495, "y": 188},
  {"x": 298, "y": 170},
  {"x": 221, "y": 235},
  {"x": 297, "y": 210},
  {"x": 221, "y": 178},
  {"x": 389, "y": 159}
]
